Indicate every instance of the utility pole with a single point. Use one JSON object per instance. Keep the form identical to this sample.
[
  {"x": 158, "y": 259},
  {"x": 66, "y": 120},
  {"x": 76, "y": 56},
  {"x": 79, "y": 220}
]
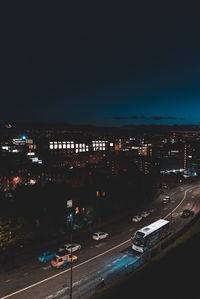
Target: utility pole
[
  {"x": 70, "y": 224},
  {"x": 71, "y": 262}
]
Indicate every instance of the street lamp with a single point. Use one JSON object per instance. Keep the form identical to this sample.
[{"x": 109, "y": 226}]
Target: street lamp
[{"x": 70, "y": 223}]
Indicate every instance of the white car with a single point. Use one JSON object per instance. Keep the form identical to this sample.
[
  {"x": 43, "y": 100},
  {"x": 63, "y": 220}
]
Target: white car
[
  {"x": 145, "y": 214},
  {"x": 68, "y": 246},
  {"x": 137, "y": 218},
  {"x": 99, "y": 236},
  {"x": 166, "y": 199}
]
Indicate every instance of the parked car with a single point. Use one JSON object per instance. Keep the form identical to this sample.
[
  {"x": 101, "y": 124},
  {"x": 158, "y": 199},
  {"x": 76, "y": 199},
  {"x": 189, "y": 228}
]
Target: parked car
[
  {"x": 46, "y": 256},
  {"x": 164, "y": 186},
  {"x": 137, "y": 218},
  {"x": 187, "y": 213},
  {"x": 61, "y": 260},
  {"x": 152, "y": 210},
  {"x": 67, "y": 246},
  {"x": 99, "y": 236},
  {"x": 145, "y": 214}
]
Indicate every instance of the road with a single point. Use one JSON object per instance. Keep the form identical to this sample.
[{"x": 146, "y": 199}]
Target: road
[{"x": 104, "y": 259}]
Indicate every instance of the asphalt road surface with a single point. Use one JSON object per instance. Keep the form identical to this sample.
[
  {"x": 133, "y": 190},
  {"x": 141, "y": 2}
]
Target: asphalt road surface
[{"x": 96, "y": 259}]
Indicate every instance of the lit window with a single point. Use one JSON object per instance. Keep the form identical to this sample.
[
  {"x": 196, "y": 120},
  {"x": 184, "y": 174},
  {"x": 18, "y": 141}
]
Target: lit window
[{"x": 64, "y": 145}]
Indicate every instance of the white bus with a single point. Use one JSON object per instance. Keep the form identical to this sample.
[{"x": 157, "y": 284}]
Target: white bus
[{"x": 148, "y": 236}]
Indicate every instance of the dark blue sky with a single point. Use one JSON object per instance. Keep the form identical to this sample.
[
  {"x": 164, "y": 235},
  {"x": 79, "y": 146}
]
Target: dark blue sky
[{"x": 100, "y": 64}]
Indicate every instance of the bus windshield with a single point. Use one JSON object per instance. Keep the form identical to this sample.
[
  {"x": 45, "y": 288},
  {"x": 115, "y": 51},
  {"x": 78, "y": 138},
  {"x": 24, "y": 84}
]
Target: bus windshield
[{"x": 139, "y": 239}]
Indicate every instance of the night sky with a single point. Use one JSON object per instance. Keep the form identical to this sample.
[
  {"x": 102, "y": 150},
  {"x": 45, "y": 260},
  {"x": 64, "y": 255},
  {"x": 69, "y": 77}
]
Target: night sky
[{"x": 100, "y": 63}]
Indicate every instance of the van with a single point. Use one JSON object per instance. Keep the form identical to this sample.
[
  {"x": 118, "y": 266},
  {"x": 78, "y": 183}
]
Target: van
[{"x": 60, "y": 261}]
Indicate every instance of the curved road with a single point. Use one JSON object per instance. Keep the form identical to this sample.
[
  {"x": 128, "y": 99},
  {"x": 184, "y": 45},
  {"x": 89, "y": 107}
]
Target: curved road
[{"x": 97, "y": 259}]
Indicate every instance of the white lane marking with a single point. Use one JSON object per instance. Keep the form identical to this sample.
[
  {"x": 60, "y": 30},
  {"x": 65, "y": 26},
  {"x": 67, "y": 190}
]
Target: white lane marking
[
  {"x": 8, "y": 280},
  {"x": 76, "y": 283},
  {"x": 67, "y": 270},
  {"x": 62, "y": 291},
  {"x": 87, "y": 261},
  {"x": 125, "y": 255},
  {"x": 115, "y": 261},
  {"x": 58, "y": 293},
  {"x": 99, "y": 245},
  {"x": 175, "y": 214},
  {"x": 45, "y": 268}
]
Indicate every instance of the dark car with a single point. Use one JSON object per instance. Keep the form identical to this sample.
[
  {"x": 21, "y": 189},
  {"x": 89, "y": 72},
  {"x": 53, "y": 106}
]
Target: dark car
[{"x": 187, "y": 213}]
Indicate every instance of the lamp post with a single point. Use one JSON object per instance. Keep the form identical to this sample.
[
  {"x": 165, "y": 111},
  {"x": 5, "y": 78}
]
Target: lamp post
[
  {"x": 70, "y": 224},
  {"x": 71, "y": 265}
]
